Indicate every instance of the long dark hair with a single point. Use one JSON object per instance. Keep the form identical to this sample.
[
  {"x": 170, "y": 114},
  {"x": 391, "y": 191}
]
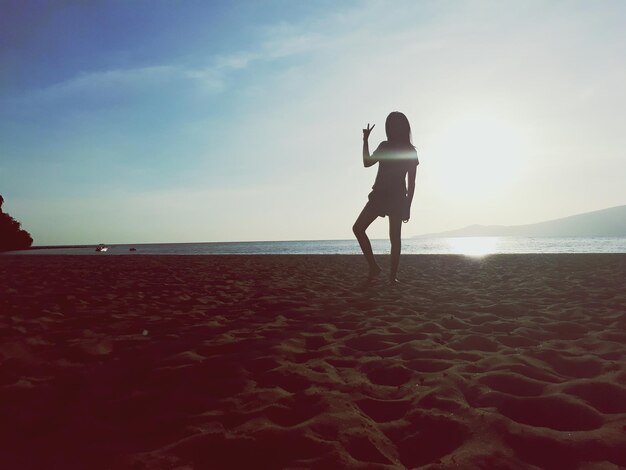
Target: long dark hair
[{"x": 398, "y": 129}]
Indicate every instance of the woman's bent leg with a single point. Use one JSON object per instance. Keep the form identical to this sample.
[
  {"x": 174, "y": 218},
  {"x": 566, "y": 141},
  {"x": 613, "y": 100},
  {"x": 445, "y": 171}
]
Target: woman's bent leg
[
  {"x": 366, "y": 217},
  {"x": 395, "y": 231}
]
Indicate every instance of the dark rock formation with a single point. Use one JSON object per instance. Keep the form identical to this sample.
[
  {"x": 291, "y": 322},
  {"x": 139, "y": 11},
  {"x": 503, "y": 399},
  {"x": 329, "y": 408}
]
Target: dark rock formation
[{"x": 12, "y": 237}]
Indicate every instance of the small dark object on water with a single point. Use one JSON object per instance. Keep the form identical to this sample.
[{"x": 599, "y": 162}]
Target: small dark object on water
[{"x": 132, "y": 249}]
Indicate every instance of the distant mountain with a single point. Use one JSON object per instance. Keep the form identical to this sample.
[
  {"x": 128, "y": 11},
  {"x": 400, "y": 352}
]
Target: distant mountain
[{"x": 603, "y": 223}]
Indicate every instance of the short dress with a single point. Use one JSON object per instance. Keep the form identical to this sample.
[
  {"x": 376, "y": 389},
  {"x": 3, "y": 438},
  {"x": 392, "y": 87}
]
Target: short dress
[{"x": 389, "y": 193}]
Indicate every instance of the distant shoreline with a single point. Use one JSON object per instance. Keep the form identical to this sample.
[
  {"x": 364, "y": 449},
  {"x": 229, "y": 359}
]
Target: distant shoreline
[
  {"x": 412, "y": 237},
  {"x": 52, "y": 247},
  {"x": 471, "y": 246}
]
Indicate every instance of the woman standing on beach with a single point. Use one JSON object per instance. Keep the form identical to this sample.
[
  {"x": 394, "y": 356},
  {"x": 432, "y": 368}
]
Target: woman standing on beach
[{"x": 396, "y": 158}]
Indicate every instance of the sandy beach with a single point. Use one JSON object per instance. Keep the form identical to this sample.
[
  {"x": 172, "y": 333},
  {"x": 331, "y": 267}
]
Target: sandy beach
[{"x": 198, "y": 362}]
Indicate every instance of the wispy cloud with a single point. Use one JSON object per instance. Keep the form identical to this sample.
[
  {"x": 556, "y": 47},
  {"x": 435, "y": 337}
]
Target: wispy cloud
[
  {"x": 280, "y": 42},
  {"x": 129, "y": 80}
]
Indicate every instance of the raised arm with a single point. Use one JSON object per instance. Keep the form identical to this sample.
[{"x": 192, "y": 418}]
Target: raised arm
[{"x": 367, "y": 158}]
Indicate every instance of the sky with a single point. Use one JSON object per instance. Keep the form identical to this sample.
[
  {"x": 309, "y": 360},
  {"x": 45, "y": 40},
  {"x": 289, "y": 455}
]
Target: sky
[{"x": 188, "y": 121}]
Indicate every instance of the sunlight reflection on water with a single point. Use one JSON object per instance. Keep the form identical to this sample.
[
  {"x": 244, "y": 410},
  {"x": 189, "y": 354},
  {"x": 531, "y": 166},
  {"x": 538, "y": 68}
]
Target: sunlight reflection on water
[{"x": 474, "y": 246}]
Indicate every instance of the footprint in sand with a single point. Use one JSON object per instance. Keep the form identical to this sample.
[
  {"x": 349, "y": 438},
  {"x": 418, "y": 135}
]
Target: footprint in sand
[
  {"x": 390, "y": 375},
  {"x": 554, "y": 412},
  {"x": 383, "y": 411}
]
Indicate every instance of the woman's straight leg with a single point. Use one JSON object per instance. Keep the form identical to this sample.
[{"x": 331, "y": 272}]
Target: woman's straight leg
[{"x": 395, "y": 237}]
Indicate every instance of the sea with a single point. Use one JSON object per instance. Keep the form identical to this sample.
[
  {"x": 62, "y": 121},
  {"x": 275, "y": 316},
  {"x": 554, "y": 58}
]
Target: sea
[{"x": 469, "y": 246}]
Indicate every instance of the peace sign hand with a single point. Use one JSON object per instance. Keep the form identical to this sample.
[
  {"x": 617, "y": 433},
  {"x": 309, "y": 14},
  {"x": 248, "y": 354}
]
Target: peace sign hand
[{"x": 367, "y": 131}]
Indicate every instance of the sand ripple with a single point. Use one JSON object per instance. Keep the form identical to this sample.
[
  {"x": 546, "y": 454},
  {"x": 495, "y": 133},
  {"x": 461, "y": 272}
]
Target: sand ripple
[{"x": 128, "y": 362}]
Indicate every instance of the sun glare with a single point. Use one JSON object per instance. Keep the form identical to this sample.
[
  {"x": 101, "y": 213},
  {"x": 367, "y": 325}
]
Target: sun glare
[
  {"x": 478, "y": 155},
  {"x": 473, "y": 246}
]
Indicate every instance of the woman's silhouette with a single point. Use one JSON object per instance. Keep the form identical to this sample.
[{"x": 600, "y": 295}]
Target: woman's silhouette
[{"x": 396, "y": 159}]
